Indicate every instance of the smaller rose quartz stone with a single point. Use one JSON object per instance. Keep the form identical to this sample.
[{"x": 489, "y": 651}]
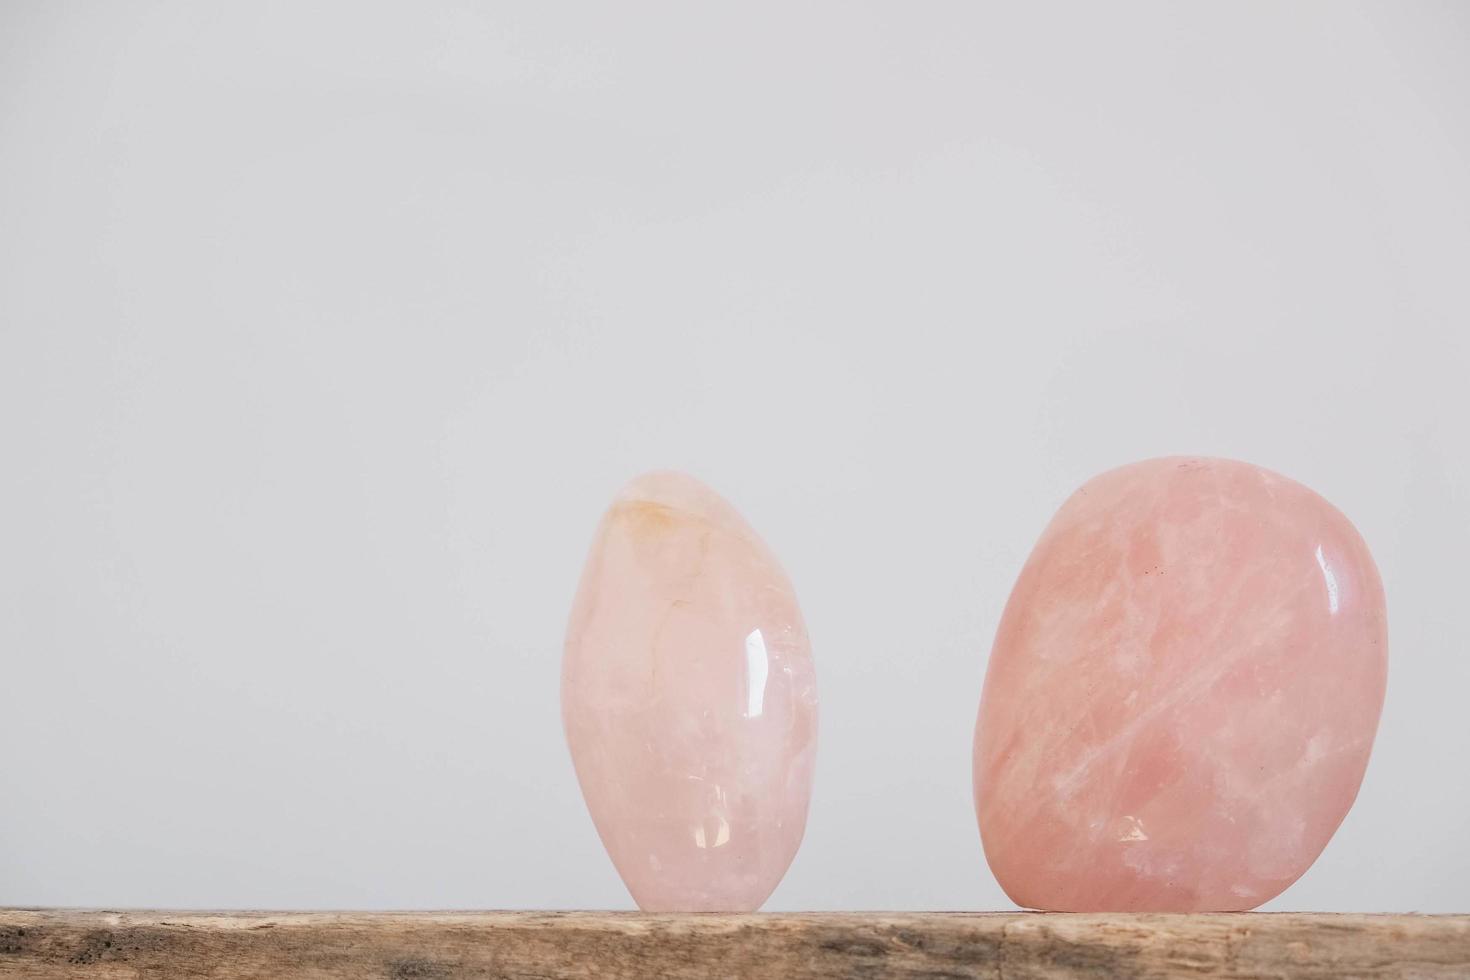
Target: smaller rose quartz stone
[
  {"x": 689, "y": 700},
  {"x": 1182, "y": 695}
]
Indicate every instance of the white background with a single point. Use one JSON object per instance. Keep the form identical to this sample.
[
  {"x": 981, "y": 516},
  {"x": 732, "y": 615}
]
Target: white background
[{"x": 326, "y": 334}]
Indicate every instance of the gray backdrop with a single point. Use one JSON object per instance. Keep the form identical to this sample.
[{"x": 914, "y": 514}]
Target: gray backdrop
[{"x": 326, "y": 334}]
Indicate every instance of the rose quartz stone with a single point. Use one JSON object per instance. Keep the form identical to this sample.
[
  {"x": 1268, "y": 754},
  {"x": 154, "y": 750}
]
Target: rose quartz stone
[
  {"x": 689, "y": 700},
  {"x": 1182, "y": 695}
]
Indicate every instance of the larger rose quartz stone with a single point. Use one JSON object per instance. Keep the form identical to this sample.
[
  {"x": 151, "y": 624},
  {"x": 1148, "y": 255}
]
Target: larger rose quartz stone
[
  {"x": 689, "y": 700},
  {"x": 1182, "y": 695}
]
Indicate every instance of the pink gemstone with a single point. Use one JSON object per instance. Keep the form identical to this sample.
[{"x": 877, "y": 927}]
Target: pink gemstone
[
  {"x": 1182, "y": 695},
  {"x": 690, "y": 700}
]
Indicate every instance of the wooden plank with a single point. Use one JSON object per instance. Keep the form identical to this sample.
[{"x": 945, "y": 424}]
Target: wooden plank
[{"x": 40, "y": 944}]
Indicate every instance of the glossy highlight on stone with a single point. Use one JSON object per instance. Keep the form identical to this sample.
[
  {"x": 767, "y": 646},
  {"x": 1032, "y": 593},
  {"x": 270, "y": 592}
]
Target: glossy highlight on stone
[
  {"x": 1182, "y": 694},
  {"x": 689, "y": 700}
]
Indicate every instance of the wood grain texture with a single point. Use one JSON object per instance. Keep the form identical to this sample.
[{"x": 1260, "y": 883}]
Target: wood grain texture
[{"x": 49, "y": 944}]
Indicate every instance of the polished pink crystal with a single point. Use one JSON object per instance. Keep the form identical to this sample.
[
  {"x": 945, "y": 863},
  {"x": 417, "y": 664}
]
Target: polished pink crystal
[
  {"x": 689, "y": 700},
  {"x": 1182, "y": 695}
]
